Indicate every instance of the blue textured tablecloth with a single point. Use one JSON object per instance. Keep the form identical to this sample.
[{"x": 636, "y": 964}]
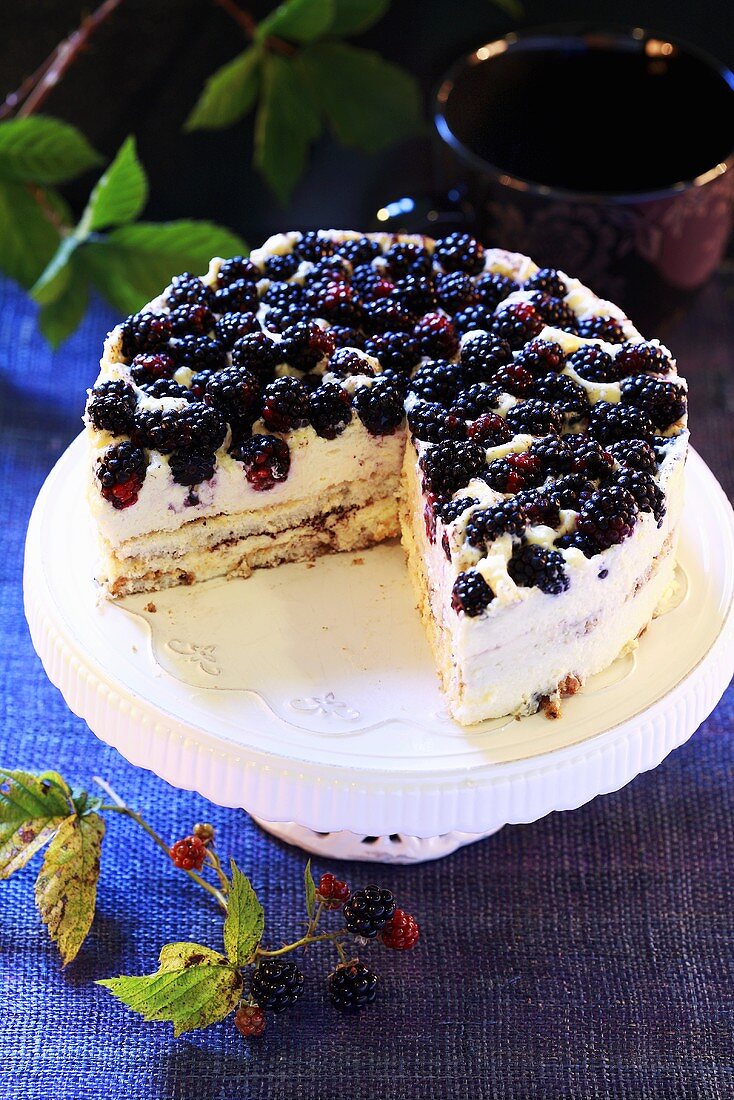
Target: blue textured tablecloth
[{"x": 586, "y": 955}]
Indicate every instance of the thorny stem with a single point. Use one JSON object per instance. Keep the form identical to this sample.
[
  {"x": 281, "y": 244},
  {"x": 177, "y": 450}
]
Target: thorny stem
[
  {"x": 305, "y": 941},
  {"x": 216, "y": 864},
  {"x": 245, "y": 21}
]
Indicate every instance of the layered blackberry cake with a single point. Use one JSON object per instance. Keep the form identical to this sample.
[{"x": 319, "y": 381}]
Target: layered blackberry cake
[{"x": 334, "y": 389}]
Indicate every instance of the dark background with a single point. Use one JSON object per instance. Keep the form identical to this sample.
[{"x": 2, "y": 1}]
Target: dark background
[{"x": 145, "y": 68}]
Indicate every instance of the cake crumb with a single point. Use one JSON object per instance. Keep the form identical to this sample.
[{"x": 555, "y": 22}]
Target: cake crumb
[
  {"x": 357, "y": 561},
  {"x": 551, "y": 705},
  {"x": 151, "y": 607}
]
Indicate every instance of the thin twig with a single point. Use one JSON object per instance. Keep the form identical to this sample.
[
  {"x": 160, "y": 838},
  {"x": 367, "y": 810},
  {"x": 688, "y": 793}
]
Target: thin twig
[{"x": 245, "y": 22}]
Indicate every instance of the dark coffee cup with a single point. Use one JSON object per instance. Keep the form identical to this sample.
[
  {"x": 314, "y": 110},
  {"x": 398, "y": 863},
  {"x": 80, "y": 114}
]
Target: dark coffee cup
[{"x": 608, "y": 154}]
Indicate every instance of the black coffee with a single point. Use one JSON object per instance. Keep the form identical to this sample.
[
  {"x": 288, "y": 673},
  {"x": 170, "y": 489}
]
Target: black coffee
[{"x": 635, "y": 119}]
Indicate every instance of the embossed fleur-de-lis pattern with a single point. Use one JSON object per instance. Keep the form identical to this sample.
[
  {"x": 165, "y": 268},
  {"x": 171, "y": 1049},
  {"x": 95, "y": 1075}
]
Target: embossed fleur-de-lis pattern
[
  {"x": 203, "y": 656},
  {"x": 327, "y": 705}
]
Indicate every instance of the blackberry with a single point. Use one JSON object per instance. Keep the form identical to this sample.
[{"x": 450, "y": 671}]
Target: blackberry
[
  {"x": 249, "y": 1021},
  {"x": 554, "y": 454},
  {"x": 166, "y": 387},
  {"x": 188, "y": 854},
  {"x": 474, "y": 318},
  {"x": 186, "y": 290},
  {"x": 313, "y": 246},
  {"x": 514, "y": 379},
  {"x": 380, "y": 288},
  {"x": 398, "y": 379},
  {"x": 364, "y": 278},
  {"x": 401, "y": 932},
  {"x": 636, "y": 454},
  {"x": 663, "y": 402},
  {"x": 387, "y": 315},
  {"x": 405, "y": 258},
  {"x": 450, "y": 466},
  {"x": 594, "y": 364},
  {"x": 554, "y": 311},
  {"x": 230, "y": 326},
  {"x": 575, "y": 540},
  {"x": 431, "y": 422},
  {"x": 519, "y": 470},
  {"x": 379, "y": 407},
  {"x": 352, "y": 986},
  {"x": 358, "y": 250},
  {"x": 589, "y": 457},
  {"x": 437, "y": 381},
  {"x": 517, "y": 323},
  {"x": 490, "y": 430},
  {"x": 305, "y": 344},
  {"x": 145, "y": 332},
  {"x": 549, "y": 281},
  {"x": 635, "y": 358},
  {"x": 199, "y": 382},
  {"x": 456, "y": 292},
  {"x": 197, "y": 352},
  {"x": 368, "y": 911},
  {"x": 193, "y": 427},
  {"x": 459, "y": 252},
  {"x": 285, "y": 404},
  {"x": 541, "y": 357},
  {"x": 535, "y": 567},
  {"x": 534, "y": 417},
  {"x": 471, "y": 594},
  {"x": 266, "y": 460},
  {"x": 345, "y": 337},
  {"x": 279, "y": 318},
  {"x": 482, "y": 355},
  {"x": 437, "y": 336},
  {"x": 541, "y": 506},
  {"x": 608, "y": 516},
  {"x": 329, "y": 410},
  {"x": 648, "y": 495},
  {"x": 602, "y": 328},
  {"x": 111, "y": 407},
  {"x": 329, "y": 269},
  {"x": 239, "y": 296},
  {"x": 493, "y": 288},
  {"x": 568, "y": 397},
  {"x": 476, "y": 400},
  {"x": 283, "y": 294},
  {"x": 191, "y": 320},
  {"x": 258, "y": 354},
  {"x": 121, "y": 473},
  {"x": 611, "y": 423},
  {"x": 573, "y": 490},
  {"x": 280, "y": 268},
  {"x": 338, "y": 304},
  {"x": 488, "y": 524},
  {"x": 276, "y": 984},
  {"x": 147, "y": 366},
  {"x": 235, "y": 392},
  {"x": 418, "y": 293},
  {"x": 449, "y": 510},
  {"x": 398, "y": 350},
  {"x": 346, "y": 363},
  {"x": 236, "y": 268},
  {"x": 192, "y": 467},
  {"x": 332, "y": 891}
]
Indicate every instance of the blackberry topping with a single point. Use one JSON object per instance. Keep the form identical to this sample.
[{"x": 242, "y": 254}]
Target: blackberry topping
[
  {"x": 474, "y": 318},
  {"x": 111, "y": 407},
  {"x": 406, "y": 258},
  {"x": 482, "y": 355},
  {"x": 588, "y": 456},
  {"x": 358, "y": 250},
  {"x": 450, "y": 466},
  {"x": 194, "y": 320},
  {"x": 449, "y": 510},
  {"x": 541, "y": 506},
  {"x": 476, "y": 400},
  {"x": 121, "y": 473},
  {"x": 368, "y": 911},
  {"x": 312, "y": 246},
  {"x": 488, "y": 524},
  {"x": 235, "y": 392},
  {"x": 430, "y": 422},
  {"x": 517, "y": 323},
  {"x": 516, "y": 471},
  {"x": 418, "y": 293},
  {"x": 456, "y": 292},
  {"x": 280, "y": 268},
  {"x": 197, "y": 352},
  {"x": 514, "y": 379},
  {"x": 236, "y": 268},
  {"x": 365, "y": 277},
  {"x": 554, "y": 311},
  {"x": 471, "y": 594},
  {"x": 166, "y": 387},
  {"x": 345, "y": 363},
  {"x": 493, "y": 289},
  {"x": 635, "y": 358},
  {"x": 276, "y": 984},
  {"x": 351, "y": 987},
  {"x": 572, "y": 490},
  {"x": 611, "y": 423},
  {"x": 549, "y": 281},
  {"x": 337, "y": 303},
  {"x": 230, "y": 326},
  {"x": 459, "y": 252},
  {"x": 239, "y": 296},
  {"x": 635, "y": 454},
  {"x": 187, "y": 289},
  {"x": 541, "y": 357},
  {"x": 192, "y": 467},
  {"x": 568, "y": 396},
  {"x": 258, "y": 354},
  {"x": 535, "y": 567},
  {"x": 266, "y": 460},
  {"x": 193, "y": 427},
  {"x": 329, "y": 410},
  {"x": 437, "y": 336},
  {"x": 285, "y": 404},
  {"x": 347, "y": 337},
  {"x": 145, "y": 332},
  {"x": 283, "y": 294},
  {"x": 398, "y": 379},
  {"x": 398, "y": 350},
  {"x": 305, "y": 344},
  {"x": 608, "y": 516},
  {"x": 534, "y": 417},
  {"x": 577, "y": 541},
  {"x": 437, "y": 381},
  {"x": 279, "y": 318},
  {"x": 554, "y": 454},
  {"x": 648, "y": 495},
  {"x": 379, "y": 407},
  {"x": 594, "y": 364},
  {"x": 147, "y": 366},
  {"x": 602, "y": 328},
  {"x": 663, "y": 402},
  {"x": 199, "y": 381},
  {"x": 329, "y": 269},
  {"x": 387, "y": 315},
  {"x": 490, "y": 430}
]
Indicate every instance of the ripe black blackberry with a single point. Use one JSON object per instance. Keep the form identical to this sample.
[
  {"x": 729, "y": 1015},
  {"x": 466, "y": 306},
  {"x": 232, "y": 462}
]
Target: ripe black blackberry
[
  {"x": 358, "y": 250},
  {"x": 449, "y": 510},
  {"x": 197, "y": 352},
  {"x": 517, "y": 323},
  {"x": 572, "y": 490},
  {"x": 459, "y": 252},
  {"x": 345, "y": 337},
  {"x": 191, "y": 320},
  {"x": 575, "y": 540},
  {"x": 611, "y": 423},
  {"x": 520, "y": 470},
  {"x": 431, "y": 422},
  {"x": 549, "y": 281},
  {"x": 313, "y": 246},
  {"x": 147, "y": 366},
  {"x": 456, "y": 292},
  {"x": 166, "y": 387},
  {"x": 236, "y": 393},
  {"x": 514, "y": 379},
  {"x": 602, "y": 328},
  {"x": 285, "y": 404},
  {"x": 493, "y": 288},
  {"x": 387, "y": 315},
  {"x": 635, "y": 358},
  {"x": 280, "y": 268},
  {"x": 589, "y": 457},
  {"x": 304, "y": 345},
  {"x": 450, "y": 466},
  {"x": 489, "y": 429},
  {"x": 554, "y": 311},
  {"x": 471, "y": 594},
  {"x": 279, "y": 318},
  {"x": 535, "y": 567},
  {"x": 111, "y": 407},
  {"x": 437, "y": 336},
  {"x": 145, "y": 332},
  {"x": 368, "y": 911},
  {"x": 608, "y": 516},
  {"x": 329, "y": 269},
  {"x": 230, "y": 326},
  {"x": 379, "y": 407},
  {"x": 337, "y": 303},
  {"x": 192, "y": 467},
  {"x": 399, "y": 379},
  {"x": 364, "y": 278},
  {"x": 567, "y": 396},
  {"x": 283, "y": 294},
  {"x": 594, "y": 364},
  {"x": 554, "y": 454},
  {"x": 648, "y": 495},
  {"x": 352, "y": 987},
  {"x": 405, "y": 258},
  {"x": 437, "y": 381},
  {"x": 418, "y": 293},
  {"x": 199, "y": 382},
  {"x": 329, "y": 410},
  {"x": 475, "y": 400},
  {"x": 541, "y": 357},
  {"x": 482, "y": 355},
  {"x": 474, "y": 318},
  {"x": 663, "y": 402},
  {"x": 258, "y": 354},
  {"x": 266, "y": 460},
  {"x": 239, "y": 296},
  {"x": 488, "y": 524},
  {"x": 635, "y": 454},
  {"x": 346, "y": 362},
  {"x": 236, "y": 268},
  {"x": 276, "y": 984},
  {"x": 121, "y": 473},
  {"x": 540, "y": 506},
  {"x": 398, "y": 350},
  {"x": 187, "y": 289},
  {"x": 534, "y": 417},
  {"x": 194, "y": 427}
]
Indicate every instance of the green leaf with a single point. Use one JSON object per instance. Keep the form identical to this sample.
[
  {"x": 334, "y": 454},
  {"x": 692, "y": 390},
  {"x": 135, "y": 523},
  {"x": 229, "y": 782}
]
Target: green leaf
[
  {"x": 43, "y": 150},
  {"x": 66, "y": 888},
  {"x": 28, "y": 239},
  {"x": 31, "y": 811},
  {"x": 286, "y": 125},
  {"x": 119, "y": 195},
  {"x": 54, "y": 280},
  {"x": 243, "y": 928},
  {"x": 369, "y": 102},
  {"x": 192, "y": 988},
  {"x": 355, "y": 16},
  {"x": 299, "y": 20},
  {"x": 57, "y": 320},
  {"x": 310, "y": 890},
  {"x": 228, "y": 94}
]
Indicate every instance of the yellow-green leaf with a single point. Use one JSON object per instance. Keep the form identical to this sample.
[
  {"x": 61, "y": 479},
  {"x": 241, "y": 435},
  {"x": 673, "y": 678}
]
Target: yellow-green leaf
[
  {"x": 31, "y": 811},
  {"x": 119, "y": 195},
  {"x": 287, "y": 124},
  {"x": 228, "y": 94},
  {"x": 43, "y": 150},
  {"x": 28, "y": 238},
  {"x": 62, "y": 316},
  {"x": 310, "y": 889},
  {"x": 300, "y": 20},
  {"x": 243, "y": 928},
  {"x": 66, "y": 888}
]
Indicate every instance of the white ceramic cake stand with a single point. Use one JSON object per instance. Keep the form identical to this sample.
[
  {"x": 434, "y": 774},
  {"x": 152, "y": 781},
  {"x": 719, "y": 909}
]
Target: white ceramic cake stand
[{"x": 307, "y": 694}]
